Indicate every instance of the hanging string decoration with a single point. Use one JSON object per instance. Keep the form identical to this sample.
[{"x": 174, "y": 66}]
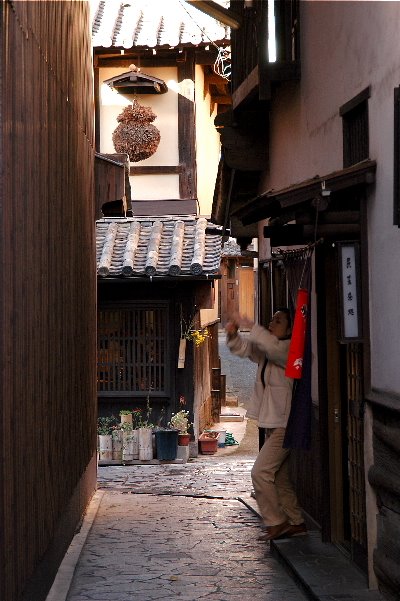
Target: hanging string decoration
[
  {"x": 136, "y": 135},
  {"x": 223, "y": 63}
]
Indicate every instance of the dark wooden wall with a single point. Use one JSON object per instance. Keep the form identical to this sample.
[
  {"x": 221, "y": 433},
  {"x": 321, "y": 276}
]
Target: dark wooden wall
[
  {"x": 384, "y": 476},
  {"x": 47, "y": 289}
]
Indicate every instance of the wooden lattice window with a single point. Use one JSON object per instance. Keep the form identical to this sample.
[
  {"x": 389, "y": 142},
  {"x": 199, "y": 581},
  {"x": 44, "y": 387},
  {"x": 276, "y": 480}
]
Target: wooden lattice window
[
  {"x": 132, "y": 353},
  {"x": 355, "y": 129}
]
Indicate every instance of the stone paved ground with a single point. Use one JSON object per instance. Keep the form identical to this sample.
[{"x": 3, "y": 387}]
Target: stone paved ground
[
  {"x": 166, "y": 532},
  {"x": 228, "y": 477},
  {"x": 173, "y": 531}
]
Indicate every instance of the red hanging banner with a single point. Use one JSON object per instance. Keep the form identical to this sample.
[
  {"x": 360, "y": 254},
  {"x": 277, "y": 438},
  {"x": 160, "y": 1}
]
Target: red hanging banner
[{"x": 294, "y": 366}]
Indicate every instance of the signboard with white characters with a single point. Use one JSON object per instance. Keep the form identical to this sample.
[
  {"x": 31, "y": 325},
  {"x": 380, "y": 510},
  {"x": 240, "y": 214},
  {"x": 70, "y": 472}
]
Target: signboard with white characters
[{"x": 349, "y": 266}]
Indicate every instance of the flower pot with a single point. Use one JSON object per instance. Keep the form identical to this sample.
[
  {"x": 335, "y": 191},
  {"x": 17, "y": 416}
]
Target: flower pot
[
  {"x": 166, "y": 444},
  {"x": 126, "y": 418},
  {"x": 183, "y": 440},
  {"x": 135, "y": 444},
  {"x": 117, "y": 445},
  {"x": 208, "y": 445},
  {"x": 127, "y": 445},
  {"x": 105, "y": 447},
  {"x": 145, "y": 444}
]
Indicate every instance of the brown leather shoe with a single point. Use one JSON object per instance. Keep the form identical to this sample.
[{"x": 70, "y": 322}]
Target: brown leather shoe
[
  {"x": 275, "y": 531},
  {"x": 296, "y": 530}
]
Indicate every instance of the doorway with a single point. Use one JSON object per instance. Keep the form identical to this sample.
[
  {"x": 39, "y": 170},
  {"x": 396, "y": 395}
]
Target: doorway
[
  {"x": 237, "y": 289},
  {"x": 343, "y": 426}
]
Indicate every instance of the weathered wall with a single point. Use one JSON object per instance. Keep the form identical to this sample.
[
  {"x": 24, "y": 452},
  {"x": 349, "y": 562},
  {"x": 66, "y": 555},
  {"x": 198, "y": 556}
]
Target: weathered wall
[
  {"x": 207, "y": 144},
  {"x": 47, "y": 289},
  {"x": 165, "y": 106},
  {"x": 306, "y": 139},
  {"x": 346, "y": 47}
]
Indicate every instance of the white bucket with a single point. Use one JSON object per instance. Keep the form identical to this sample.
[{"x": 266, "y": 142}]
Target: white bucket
[
  {"x": 117, "y": 445},
  {"x": 135, "y": 444},
  {"x": 145, "y": 444},
  {"x": 127, "y": 445},
  {"x": 221, "y": 438},
  {"x": 105, "y": 447}
]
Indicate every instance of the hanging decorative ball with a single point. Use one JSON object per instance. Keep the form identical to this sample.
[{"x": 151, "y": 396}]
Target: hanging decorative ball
[{"x": 136, "y": 135}]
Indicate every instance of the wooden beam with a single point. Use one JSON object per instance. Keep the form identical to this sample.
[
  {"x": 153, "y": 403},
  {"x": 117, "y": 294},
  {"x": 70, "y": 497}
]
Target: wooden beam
[
  {"x": 218, "y": 12},
  {"x": 215, "y": 78},
  {"x": 265, "y": 205},
  {"x": 186, "y": 130},
  {"x": 221, "y": 99},
  {"x": 143, "y": 58},
  {"x": 155, "y": 169},
  {"x": 247, "y": 89}
]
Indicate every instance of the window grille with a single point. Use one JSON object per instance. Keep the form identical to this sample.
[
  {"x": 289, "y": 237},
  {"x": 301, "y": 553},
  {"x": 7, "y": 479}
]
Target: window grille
[
  {"x": 355, "y": 129},
  {"x": 132, "y": 354}
]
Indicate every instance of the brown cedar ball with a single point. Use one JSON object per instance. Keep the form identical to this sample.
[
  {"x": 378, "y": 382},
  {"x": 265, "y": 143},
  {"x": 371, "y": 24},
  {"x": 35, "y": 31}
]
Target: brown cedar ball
[{"x": 135, "y": 134}]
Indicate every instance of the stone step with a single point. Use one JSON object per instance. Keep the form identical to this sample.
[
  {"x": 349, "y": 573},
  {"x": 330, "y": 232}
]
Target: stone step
[
  {"x": 322, "y": 570},
  {"x": 231, "y": 401},
  {"x": 231, "y": 417}
]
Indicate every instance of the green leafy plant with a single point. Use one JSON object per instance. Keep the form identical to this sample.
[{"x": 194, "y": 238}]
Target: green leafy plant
[
  {"x": 190, "y": 331},
  {"x": 143, "y": 419},
  {"x": 126, "y": 412},
  {"x": 105, "y": 425},
  {"x": 126, "y": 427},
  {"x": 180, "y": 421}
]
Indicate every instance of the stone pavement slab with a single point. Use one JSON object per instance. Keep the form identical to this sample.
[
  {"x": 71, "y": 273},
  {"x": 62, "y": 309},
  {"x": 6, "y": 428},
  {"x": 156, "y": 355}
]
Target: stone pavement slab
[
  {"x": 144, "y": 547},
  {"x": 208, "y": 476}
]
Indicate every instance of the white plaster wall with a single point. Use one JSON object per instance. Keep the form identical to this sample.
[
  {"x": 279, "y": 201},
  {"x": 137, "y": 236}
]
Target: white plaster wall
[
  {"x": 208, "y": 146},
  {"x": 165, "y": 106},
  {"x": 345, "y": 47}
]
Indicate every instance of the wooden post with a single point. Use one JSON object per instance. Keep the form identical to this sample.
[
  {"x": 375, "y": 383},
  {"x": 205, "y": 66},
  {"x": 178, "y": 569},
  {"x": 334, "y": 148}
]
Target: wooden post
[
  {"x": 216, "y": 378},
  {"x": 223, "y": 390},
  {"x": 215, "y": 406}
]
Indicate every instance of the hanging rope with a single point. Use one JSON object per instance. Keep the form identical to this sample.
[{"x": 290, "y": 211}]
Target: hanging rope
[{"x": 222, "y": 65}]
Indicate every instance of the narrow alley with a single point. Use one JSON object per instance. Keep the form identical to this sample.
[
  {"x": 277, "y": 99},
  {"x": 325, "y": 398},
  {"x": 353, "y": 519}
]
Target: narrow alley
[
  {"x": 190, "y": 531},
  {"x": 178, "y": 531}
]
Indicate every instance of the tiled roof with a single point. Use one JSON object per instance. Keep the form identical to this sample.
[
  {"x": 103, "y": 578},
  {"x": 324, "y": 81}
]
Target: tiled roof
[
  {"x": 153, "y": 23},
  {"x": 232, "y": 249},
  {"x": 157, "y": 246}
]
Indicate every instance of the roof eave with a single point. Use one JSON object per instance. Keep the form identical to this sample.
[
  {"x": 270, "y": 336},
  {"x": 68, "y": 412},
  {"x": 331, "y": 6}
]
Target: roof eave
[{"x": 269, "y": 203}]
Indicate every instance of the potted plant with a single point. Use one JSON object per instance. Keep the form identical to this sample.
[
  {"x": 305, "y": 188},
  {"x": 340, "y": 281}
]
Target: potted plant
[
  {"x": 126, "y": 416},
  {"x": 117, "y": 443},
  {"x": 180, "y": 421},
  {"x": 145, "y": 429},
  {"x": 208, "y": 441},
  {"x": 130, "y": 447},
  {"x": 104, "y": 431}
]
